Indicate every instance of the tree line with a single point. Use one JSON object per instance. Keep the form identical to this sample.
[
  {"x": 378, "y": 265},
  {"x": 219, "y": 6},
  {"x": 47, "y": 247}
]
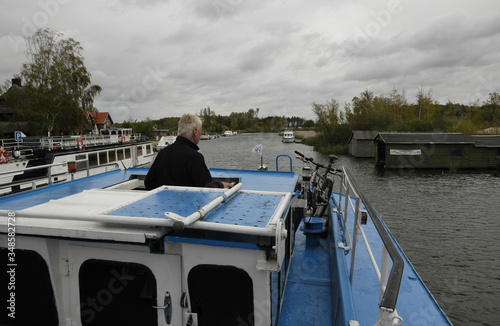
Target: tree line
[
  {"x": 393, "y": 112},
  {"x": 243, "y": 122}
]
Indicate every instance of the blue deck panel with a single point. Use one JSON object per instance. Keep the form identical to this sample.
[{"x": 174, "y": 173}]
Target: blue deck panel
[
  {"x": 182, "y": 202},
  {"x": 241, "y": 209},
  {"x": 415, "y": 303},
  {"x": 260, "y": 180},
  {"x": 253, "y": 180},
  {"x": 308, "y": 293},
  {"x": 42, "y": 195},
  {"x": 247, "y": 209}
]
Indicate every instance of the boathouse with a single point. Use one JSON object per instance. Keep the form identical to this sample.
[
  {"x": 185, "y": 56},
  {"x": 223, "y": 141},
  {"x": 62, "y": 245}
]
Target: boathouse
[
  {"x": 361, "y": 143},
  {"x": 437, "y": 151}
]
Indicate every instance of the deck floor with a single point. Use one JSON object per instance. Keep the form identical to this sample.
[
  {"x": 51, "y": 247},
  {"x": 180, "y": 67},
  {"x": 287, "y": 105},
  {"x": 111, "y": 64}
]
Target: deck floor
[{"x": 308, "y": 294}]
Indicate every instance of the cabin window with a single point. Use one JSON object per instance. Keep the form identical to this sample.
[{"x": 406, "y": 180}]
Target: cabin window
[
  {"x": 456, "y": 152},
  {"x": 149, "y": 149},
  {"x": 127, "y": 152},
  {"x": 81, "y": 165},
  {"x": 221, "y": 295},
  {"x": 103, "y": 157},
  {"x": 139, "y": 150},
  {"x": 34, "y": 297},
  {"x": 117, "y": 293},
  {"x": 112, "y": 156},
  {"x": 120, "y": 154},
  {"x": 93, "y": 159}
]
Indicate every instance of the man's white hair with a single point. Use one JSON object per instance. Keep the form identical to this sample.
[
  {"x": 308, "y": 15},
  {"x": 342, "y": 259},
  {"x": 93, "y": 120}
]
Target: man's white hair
[{"x": 187, "y": 123}]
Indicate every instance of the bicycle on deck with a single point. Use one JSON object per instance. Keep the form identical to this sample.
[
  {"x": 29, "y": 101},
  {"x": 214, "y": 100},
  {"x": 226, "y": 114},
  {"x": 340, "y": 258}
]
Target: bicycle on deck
[{"x": 317, "y": 186}]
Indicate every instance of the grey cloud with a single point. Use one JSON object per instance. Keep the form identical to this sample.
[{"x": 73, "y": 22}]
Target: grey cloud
[{"x": 278, "y": 56}]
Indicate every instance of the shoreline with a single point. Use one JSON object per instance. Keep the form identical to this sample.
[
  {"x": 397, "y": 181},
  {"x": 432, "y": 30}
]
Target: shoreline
[{"x": 305, "y": 133}]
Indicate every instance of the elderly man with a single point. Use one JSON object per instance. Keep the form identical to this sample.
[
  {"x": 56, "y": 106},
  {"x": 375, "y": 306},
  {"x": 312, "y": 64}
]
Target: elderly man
[{"x": 180, "y": 164}]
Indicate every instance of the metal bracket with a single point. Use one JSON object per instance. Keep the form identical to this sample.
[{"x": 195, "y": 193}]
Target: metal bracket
[
  {"x": 167, "y": 308},
  {"x": 343, "y": 246}
]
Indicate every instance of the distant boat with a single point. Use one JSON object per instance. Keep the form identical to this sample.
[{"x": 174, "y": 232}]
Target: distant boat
[
  {"x": 204, "y": 136},
  {"x": 228, "y": 133},
  {"x": 164, "y": 142},
  {"x": 288, "y": 137}
]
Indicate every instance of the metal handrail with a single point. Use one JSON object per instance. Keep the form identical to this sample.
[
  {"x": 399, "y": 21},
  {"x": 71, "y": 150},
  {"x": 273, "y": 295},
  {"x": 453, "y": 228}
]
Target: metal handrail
[
  {"x": 284, "y": 155},
  {"x": 41, "y": 167},
  {"x": 49, "y": 172},
  {"x": 390, "y": 289},
  {"x": 72, "y": 141},
  {"x": 63, "y": 142}
]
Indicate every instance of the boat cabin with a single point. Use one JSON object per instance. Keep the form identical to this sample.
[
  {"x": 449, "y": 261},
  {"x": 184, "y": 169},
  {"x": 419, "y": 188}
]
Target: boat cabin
[
  {"x": 117, "y": 254},
  {"x": 288, "y": 136},
  {"x": 117, "y": 134}
]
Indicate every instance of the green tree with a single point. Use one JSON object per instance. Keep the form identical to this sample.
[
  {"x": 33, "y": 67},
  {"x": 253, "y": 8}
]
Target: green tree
[
  {"x": 308, "y": 124},
  {"x": 333, "y": 134},
  {"x": 381, "y": 115},
  {"x": 398, "y": 106},
  {"x": 57, "y": 86},
  {"x": 360, "y": 115},
  {"x": 145, "y": 127},
  {"x": 328, "y": 123},
  {"x": 425, "y": 107},
  {"x": 491, "y": 109},
  {"x": 208, "y": 117}
]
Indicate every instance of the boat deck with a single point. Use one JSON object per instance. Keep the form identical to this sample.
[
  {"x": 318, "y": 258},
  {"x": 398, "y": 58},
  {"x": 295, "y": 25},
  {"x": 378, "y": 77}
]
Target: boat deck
[
  {"x": 318, "y": 290},
  {"x": 308, "y": 294},
  {"x": 281, "y": 182}
]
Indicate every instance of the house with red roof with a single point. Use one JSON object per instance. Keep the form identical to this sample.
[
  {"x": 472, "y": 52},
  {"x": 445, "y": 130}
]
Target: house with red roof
[{"x": 96, "y": 121}]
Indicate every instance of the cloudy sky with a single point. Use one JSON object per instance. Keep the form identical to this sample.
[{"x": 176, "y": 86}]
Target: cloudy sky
[{"x": 163, "y": 58}]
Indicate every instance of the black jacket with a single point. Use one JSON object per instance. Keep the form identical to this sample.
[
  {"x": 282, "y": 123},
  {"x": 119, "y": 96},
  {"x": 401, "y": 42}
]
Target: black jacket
[{"x": 180, "y": 164}]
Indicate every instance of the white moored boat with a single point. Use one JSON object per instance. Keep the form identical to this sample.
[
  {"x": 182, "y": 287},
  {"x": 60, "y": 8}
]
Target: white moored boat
[
  {"x": 164, "y": 142},
  {"x": 288, "y": 137},
  {"x": 39, "y": 161}
]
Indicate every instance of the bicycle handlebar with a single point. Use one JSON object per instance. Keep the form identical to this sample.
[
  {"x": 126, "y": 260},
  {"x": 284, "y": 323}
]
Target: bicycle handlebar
[
  {"x": 299, "y": 153},
  {"x": 307, "y": 159},
  {"x": 310, "y": 159}
]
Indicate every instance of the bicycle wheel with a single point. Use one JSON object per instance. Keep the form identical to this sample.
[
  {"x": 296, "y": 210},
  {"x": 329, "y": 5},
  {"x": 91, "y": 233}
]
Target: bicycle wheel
[{"x": 321, "y": 197}]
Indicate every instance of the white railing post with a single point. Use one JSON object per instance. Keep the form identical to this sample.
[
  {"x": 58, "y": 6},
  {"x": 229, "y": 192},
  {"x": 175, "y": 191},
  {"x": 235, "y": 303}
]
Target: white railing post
[
  {"x": 346, "y": 203},
  {"x": 384, "y": 271},
  {"x": 355, "y": 234}
]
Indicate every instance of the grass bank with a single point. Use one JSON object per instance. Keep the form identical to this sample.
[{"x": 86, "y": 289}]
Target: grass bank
[
  {"x": 312, "y": 138},
  {"x": 323, "y": 147}
]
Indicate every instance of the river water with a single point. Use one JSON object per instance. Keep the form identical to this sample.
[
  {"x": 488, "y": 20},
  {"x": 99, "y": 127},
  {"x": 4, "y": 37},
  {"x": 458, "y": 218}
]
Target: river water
[{"x": 448, "y": 224}]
